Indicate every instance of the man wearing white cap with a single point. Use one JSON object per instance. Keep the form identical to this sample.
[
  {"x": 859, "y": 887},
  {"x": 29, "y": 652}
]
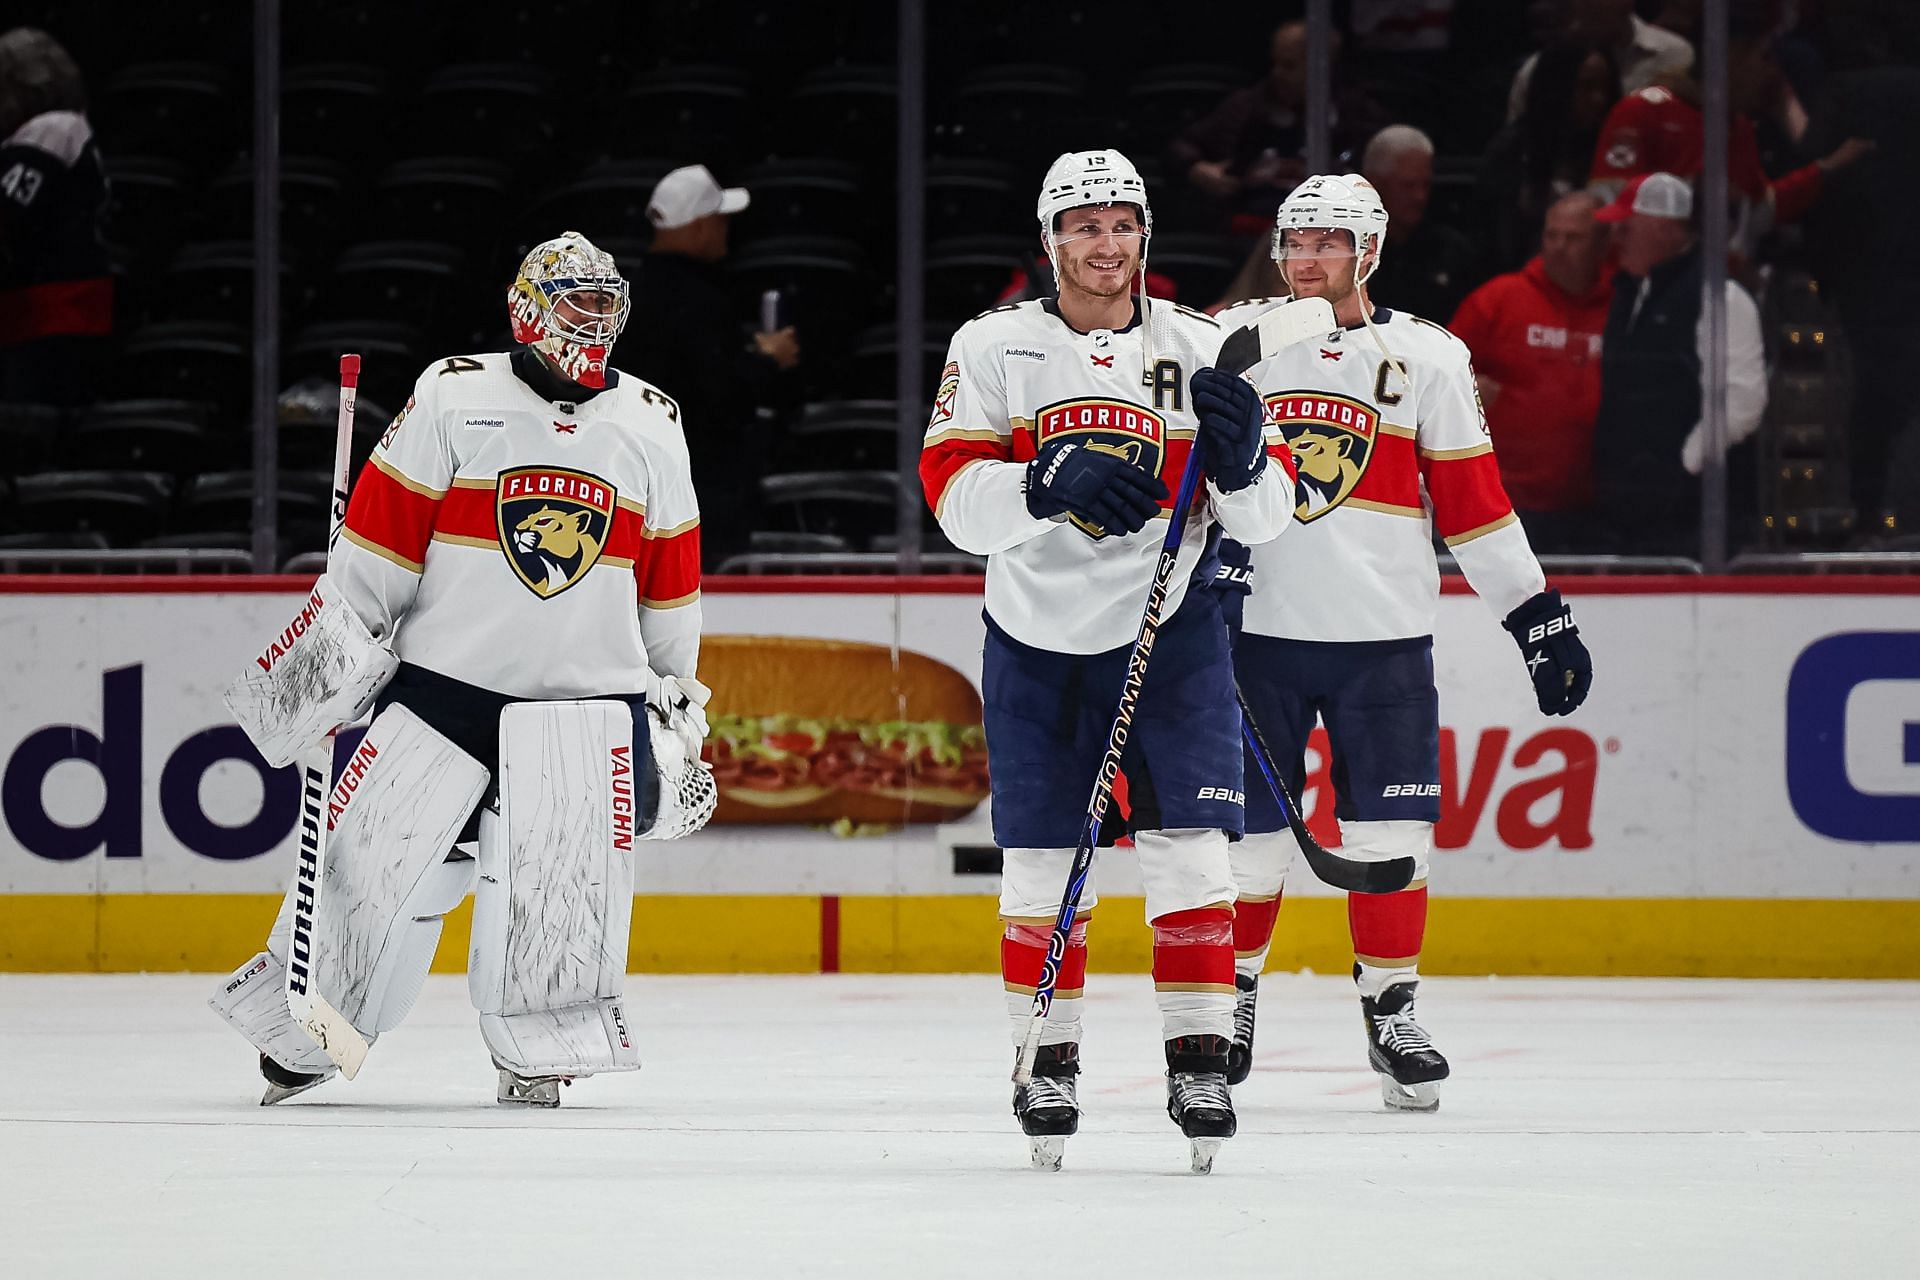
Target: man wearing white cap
[
  {"x": 687, "y": 331},
  {"x": 1650, "y": 441}
]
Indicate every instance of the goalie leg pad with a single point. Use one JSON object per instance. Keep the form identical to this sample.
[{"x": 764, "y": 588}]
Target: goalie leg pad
[
  {"x": 253, "y": 1000},
  {"x": 555, "y": 898},
  {"x": 392, "y": 820}
]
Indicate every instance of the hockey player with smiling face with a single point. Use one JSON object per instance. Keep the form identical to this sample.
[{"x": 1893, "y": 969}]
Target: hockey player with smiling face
[
  {"x": 1392, "y": 448},
  {"x": 1059, "y": 427},
  {"x": 522, "y": 553}
]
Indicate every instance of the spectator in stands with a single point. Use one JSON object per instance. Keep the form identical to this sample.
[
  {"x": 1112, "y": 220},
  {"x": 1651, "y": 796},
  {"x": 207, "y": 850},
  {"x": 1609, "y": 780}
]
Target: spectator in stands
[
  {"x": 1535, "y": 335},
  {"x": 1249, "y": 151},
  {"x": 685, "y": 336},
  {"x": 1547, "y": 152},
  {"x": 1649, "y": 442},
  {"x": 56, "y": 295},
  {"x": 1428, "y": 267},
  {"x": 1643, "y": 53},
  {"x": 1658, "y": 129}
]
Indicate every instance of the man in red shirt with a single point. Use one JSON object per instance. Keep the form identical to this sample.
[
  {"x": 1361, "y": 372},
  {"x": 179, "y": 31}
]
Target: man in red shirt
[
  {"x": 1535, "y": 338},
  {"x": 1659, "y": 129}
]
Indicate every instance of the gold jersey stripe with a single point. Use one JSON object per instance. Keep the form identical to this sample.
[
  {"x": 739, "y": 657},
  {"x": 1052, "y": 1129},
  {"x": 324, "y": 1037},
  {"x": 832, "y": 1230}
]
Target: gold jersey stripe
[
  {"x": 962, "y": 433},
  {"x": 675, "y": 603},
  {"x": 1388, "y": 962},
  {"x": 462, "y": 540},
  {"x": 368, "y": 544},
  {"x": 1384, "y": 508},
  {"x": 1495, "y": 526},
  {"x": 638, "y": 508},
  {"x": 1448, "y": 455},
  {"x": 1212, "y": 988},
  {"x": 684, "y": 526},
  {"x": 406, "y": 481},
  {"x": 473, "y": 482},
  {"x": 1395, "y": 429}
]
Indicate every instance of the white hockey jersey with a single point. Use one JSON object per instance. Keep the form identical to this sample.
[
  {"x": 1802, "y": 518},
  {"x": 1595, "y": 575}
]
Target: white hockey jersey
[
  {"x": 1382, "y": 465},
  {"x": 1019, "y": 376},
  {"x": 537, "y": 549}
]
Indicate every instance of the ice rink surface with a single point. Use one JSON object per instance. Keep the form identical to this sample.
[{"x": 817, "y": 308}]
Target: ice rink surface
[{"x": 859, "y": 1126}]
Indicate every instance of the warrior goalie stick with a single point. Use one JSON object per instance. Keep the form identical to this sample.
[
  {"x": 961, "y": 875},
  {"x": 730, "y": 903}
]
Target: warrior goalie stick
[
  {"x": 319, "y": 1019},
  {"x": 1294, "y": 322}
]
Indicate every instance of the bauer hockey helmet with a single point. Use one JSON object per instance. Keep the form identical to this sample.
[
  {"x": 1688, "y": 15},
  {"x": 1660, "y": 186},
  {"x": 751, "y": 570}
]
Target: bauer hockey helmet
[
  {"x": 570, "y": 303},
  {"x": 1343, "y": 202}
]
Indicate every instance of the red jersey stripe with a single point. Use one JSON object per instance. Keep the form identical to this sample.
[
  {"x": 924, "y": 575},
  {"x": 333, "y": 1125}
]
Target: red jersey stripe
[
  {"x": 948, "y": 456},
  {"x": 392, "y": 513},
  {"x": 1466, "y": 493},
  {"x": 667, "y": 569},
  {"x": 1392, "y": 476}
]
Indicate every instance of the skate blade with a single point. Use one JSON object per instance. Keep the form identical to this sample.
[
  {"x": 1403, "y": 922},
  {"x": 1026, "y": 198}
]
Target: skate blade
[
  {"x": 1204, "y": 1150},
  {"x": 517, "y": 1091},
  {"x": 280, "y": 1093},
  {"x": 1047, "y": 1152},
  {"x": 1409, "y": 1097}
]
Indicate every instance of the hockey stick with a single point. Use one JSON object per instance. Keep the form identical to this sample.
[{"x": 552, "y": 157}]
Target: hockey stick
[
  {"x": 319, "y": 1019},
  {"x": 1287, "y": 324},
  {"x": 1349, "y": 874}
]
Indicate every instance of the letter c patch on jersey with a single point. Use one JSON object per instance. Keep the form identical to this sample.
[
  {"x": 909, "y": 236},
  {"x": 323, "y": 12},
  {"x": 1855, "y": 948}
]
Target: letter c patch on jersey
[{"x": 553, "y": 524}]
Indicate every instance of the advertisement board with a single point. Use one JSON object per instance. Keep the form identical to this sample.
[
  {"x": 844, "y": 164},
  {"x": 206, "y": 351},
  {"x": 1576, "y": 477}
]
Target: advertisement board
[{"x": 1755, "y": 743}]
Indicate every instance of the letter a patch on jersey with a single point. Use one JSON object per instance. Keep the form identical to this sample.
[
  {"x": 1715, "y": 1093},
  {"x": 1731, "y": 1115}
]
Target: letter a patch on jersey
[
  {"x": 553, "y": 524},
  {"x": 1332, "y": 439}
]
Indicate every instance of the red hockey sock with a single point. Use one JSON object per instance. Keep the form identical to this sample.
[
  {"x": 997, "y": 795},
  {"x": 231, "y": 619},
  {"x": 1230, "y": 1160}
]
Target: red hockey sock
[
  {"x": 1253, "y": 921},
  {"x": 1023, "y": 953},
  {"x": 1388, "y": 928},
  {"x": 1193, "y": 950}
]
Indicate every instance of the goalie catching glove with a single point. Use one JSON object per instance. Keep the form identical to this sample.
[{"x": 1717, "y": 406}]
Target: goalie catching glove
[
  {"x": 677, "y": 708},
  {"x": 1557, "y": 659}
]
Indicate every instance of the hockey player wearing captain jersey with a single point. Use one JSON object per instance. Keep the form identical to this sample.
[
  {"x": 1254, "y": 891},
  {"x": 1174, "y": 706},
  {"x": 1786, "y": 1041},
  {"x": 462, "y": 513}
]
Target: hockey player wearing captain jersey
[
  {"x": 1057, "y": 429},
  {"x": 521, "y": 555},
  {"x": 1392, "y": 448}
]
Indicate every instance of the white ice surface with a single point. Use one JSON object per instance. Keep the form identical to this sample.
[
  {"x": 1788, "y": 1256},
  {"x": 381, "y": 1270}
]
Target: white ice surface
[{"x": 856, "y": 1126}]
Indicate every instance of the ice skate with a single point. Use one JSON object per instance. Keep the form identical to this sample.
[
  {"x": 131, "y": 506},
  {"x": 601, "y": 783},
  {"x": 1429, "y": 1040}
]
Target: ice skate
[
  {"x": 1240, "y": 1053},
  {"x": 529, "y": 1091},
  {"x": 1049, "y": 1108},
  {"x": 285, "y": 1082},
  {"x": 1399, "y": 1049},
  {"x": 1197, "y": 1096}
]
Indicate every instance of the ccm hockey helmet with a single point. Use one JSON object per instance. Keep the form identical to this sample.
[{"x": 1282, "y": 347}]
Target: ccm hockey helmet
[{"x": 570, "y": 303}]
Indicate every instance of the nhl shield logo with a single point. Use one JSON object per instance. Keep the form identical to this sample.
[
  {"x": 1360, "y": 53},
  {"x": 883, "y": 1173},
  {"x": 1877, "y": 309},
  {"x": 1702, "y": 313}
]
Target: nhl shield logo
[
  {"x": 1332, "y": 439},
  {"x": 1109, "y": 426},
  {"x": 553, "y": 524}
]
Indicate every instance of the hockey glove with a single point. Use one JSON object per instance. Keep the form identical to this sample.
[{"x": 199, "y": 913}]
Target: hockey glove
[
  {"x": 1557, "y": 660},
  {"x": 1233, "y": 583},
  {"x": 1103, "y": 489},
  {"x": 1232, "y": 429}
]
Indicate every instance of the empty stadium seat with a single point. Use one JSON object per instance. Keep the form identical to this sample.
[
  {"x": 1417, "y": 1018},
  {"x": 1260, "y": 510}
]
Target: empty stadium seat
[
  {"x": 122, "y": 506},
  {"x": 849, "y": 504},
  {"x": 698, "y": 114},
  {"x": 154, "y": 441},
  {"x": 206, "y": 361},
  {"x": 186, "y": 111},
  {"x": 965, "y": 274},
  {"x": 463, "y": 200},
  {"x": 332, "y": 107},
  {"x": 29, "y": 435}
]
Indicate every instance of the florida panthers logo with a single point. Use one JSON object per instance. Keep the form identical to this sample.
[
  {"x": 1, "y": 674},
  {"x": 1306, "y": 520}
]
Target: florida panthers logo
[
  {"x": 552, "y": 524},
  {"x": 1111, "y": 426},
  {"x": 1332, "y": 439}
]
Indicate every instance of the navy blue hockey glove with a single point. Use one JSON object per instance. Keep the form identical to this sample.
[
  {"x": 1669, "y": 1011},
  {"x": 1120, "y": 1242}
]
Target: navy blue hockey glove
[
  {"x": 1233, "y": 583},
  {"x": 1557, "y": 660},
  {"x": 1232, "y": 429},
  {"x": 1071, "y": 477}
]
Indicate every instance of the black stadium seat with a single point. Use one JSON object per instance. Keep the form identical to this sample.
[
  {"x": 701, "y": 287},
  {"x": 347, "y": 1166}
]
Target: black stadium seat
[
  {"x": 157, "y": 441},
  {"x": 974, "y": 197},
  {"x": 190, "y": 361},
  {"x": 183, "y": 110},
  {"x": 965, "y": 274},
  {"x": 148, "y": 208},
  {"x": 1201, "y": 265},
  {"x": 213, "y": 280},
  {"x": 850, "y": 504},
  {"x": 332, "y": 108},
  {"x": 846, "y": 433},
  {"x": 122, "y": 506},
  {"x": 697, "y": 114},
  {"x": 412, "y": 281},
  {"x": 852, "y": 107},
  {"x": 464, "y": 200},
  {"x": 29, "y": 435},
  {"x": 814, "y": 196}
]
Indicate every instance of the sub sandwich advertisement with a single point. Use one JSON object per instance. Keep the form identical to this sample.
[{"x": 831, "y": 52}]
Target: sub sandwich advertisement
[{"x": 1758, "y": 744}]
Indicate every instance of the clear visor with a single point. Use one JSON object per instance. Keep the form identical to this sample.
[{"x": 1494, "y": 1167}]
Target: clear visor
[
  {"x": 591, "y": 313},
  {"x": 1076, "y": 225},
  {"x": 1314, "y": 243}
]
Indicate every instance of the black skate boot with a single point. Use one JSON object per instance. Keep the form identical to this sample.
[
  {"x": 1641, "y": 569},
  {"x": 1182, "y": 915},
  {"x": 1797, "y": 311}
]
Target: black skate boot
[
  {"x": 1049, "y": 1108},
  {"x": 1399, "y": 1049},
  {"x": 1240, "y": 1055},
  {"x": 1197, "y": 1096},
  {"x": 285, "y": 1082}
]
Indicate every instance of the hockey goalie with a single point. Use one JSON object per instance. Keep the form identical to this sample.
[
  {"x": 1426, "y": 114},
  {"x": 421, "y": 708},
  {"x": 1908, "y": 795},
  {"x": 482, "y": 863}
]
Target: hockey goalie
[{"x": 515, "y": 595}]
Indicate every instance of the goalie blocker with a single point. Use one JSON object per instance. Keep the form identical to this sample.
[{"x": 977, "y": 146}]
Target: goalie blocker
[{"x": 578, "y": 782}]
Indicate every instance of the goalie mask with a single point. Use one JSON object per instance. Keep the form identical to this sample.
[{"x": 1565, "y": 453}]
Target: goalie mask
[
  {"x": 569, "y": 304},
  {"x": 1345, "y": 202}
]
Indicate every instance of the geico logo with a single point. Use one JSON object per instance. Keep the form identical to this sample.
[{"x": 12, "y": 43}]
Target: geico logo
[
  {"x": 117, "y": 753},
  {"x": 1409, "y": 789},
  {"x": 1530, "y": 808},
  {"x": 1227, "y": 794},
  {"x": 1853, "y": 736}
]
